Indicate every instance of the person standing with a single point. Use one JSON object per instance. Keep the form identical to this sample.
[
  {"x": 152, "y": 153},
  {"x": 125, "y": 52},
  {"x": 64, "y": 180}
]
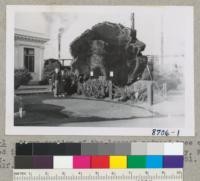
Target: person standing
[
  {"x": 56, "y": 82},
  {"x": 68, "y": 81},
  {"x": 80, "y": 85},
  {"x": 62, "y": 83}
]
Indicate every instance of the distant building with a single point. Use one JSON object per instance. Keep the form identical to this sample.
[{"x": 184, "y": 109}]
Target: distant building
[{"x": 29, "y": 52}]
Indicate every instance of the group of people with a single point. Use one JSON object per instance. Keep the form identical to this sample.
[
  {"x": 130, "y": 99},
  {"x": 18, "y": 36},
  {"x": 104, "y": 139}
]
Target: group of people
[{"x": 63, "y": 82}]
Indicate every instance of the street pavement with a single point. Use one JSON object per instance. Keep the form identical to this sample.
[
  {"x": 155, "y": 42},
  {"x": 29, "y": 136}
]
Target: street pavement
[{"x": 166, "y": 114}]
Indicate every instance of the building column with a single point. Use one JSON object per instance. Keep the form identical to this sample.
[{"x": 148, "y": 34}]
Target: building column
[
  {"x": 19, "y": 56},
  {"x": 36, "y": 64},
  {"x": 41, "y": 63}
]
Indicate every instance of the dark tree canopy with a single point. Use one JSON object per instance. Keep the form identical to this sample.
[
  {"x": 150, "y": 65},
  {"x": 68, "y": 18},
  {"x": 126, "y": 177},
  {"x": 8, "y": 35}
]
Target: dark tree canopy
[{"x": 109, "y": 47}]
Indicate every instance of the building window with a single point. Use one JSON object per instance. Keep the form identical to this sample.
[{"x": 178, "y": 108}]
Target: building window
[{"x": 29, "y": 59}]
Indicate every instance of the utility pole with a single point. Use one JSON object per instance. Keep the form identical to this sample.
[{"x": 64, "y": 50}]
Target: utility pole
[
  {"x": 132, "y": 21},
  {"x": 60, "y": 32}
]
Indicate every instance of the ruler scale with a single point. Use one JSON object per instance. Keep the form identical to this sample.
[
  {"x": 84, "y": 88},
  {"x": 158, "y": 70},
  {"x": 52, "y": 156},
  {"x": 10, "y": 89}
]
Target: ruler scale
[{"x": 98, "y": 174}]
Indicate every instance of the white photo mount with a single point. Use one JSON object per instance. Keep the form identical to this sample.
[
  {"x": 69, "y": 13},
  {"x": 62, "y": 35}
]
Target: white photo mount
[{"x": 188, "y": 125}]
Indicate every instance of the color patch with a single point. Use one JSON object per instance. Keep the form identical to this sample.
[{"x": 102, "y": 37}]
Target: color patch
[
  {"x": 62, "y": 162},
  {"x": 118, "y": 162},
  {"x": 155, "y": 148},
  {"x": 89, "y": 149},
  {"x": 173, "y": 148},
  {"x": 122, "y": 149},
  {"x": 136, "y": 161},
  {"x": 100, "y": 162},
  {"x": 23, "y": 149},
  {"x": 138, "y": 149},
  {"x": 23, "y": 162},
  {"x": 154, "y": 161},
  {"x": 173, "y": 161},
  {"x": 106, "y": 149},
  {"x": 56, "y": 149},
  {"x": 48, "y": 149},
  {"x": 40, "y": 162},
  {"x": 81, "y": 162},
  {"x": 72, "y": 148}
]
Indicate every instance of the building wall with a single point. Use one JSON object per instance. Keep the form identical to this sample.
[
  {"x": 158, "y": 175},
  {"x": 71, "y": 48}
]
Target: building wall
[{"x": 38, "y": 57}]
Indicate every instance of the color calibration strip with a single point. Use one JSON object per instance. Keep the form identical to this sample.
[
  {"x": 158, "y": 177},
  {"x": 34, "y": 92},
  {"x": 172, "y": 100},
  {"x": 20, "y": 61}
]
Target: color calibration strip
[
  {"x": 138, "y": 148},
  {"x": 90, "y": 155},
  {"x": 113, "y": 162}
]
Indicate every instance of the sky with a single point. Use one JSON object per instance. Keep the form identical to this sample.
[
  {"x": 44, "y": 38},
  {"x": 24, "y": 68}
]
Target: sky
[{"x": 149, "y": 23}]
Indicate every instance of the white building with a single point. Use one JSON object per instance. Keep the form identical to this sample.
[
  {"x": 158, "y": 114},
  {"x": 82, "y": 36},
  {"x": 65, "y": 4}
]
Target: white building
[{"x": 29, "y": 52}]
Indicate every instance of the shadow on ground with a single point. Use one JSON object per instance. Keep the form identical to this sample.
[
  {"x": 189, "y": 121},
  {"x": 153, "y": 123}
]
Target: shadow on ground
[{"x": 40, "y": 114}]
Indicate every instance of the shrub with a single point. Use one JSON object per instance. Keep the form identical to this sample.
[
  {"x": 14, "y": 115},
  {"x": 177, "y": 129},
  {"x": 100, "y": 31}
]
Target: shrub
[
  {"x": 22, "y": 77},
  {"x": 95, "y": 88},
  {"x": 136, "y": 91},
  {"x": 48, "y": 70}
]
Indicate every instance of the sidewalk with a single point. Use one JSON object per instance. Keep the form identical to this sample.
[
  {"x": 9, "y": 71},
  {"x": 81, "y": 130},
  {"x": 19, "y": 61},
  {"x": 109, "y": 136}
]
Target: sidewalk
[
  {"x": 32, "y": 89},
  {"x": 172, "y": 105}
]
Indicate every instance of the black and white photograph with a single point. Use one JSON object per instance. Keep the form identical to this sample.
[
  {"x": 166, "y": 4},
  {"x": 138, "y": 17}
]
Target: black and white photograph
[{"x": 100, "y": 70}]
